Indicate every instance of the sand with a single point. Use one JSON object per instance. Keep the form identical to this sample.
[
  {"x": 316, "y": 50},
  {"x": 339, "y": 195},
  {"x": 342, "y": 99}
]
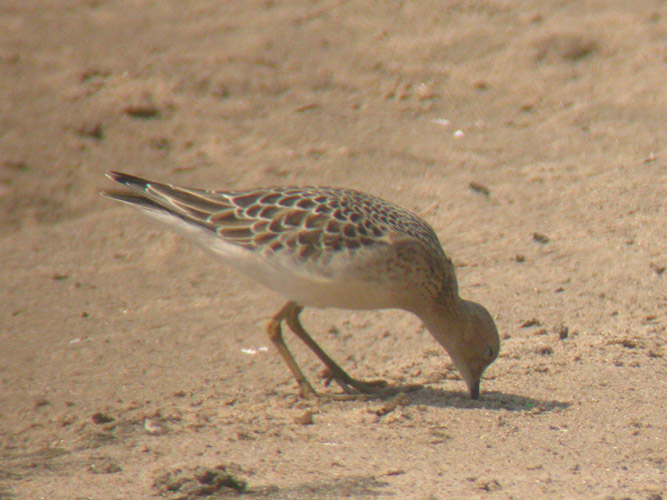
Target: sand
[{"x": 530, "y": 135}]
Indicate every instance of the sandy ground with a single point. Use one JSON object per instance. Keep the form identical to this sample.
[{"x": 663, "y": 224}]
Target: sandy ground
[{"x": 131, "y": 363}]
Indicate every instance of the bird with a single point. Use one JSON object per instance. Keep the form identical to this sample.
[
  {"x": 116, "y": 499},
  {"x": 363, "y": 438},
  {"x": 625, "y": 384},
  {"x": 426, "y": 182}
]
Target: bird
[{"x": 328, "y": 247}]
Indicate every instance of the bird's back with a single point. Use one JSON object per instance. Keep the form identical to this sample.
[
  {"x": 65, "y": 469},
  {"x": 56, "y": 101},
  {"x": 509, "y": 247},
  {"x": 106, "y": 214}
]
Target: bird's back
[{"x": 320, "y": 246}]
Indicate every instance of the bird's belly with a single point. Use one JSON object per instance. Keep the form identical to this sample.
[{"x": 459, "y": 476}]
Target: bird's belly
[
  {"x": 348, "y": 294},
  {"x": 309, "y": 287},
  {"x": 345, "y": 282},
  {"x": 312, "y": 290}
]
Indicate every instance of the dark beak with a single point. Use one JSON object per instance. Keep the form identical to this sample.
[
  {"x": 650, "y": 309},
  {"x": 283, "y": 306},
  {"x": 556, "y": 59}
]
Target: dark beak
[{"x": 474, "y": 390}]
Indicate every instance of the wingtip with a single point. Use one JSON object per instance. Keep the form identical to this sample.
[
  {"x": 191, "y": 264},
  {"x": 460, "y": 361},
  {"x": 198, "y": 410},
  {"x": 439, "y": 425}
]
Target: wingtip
[
  {"x": 113, "y": 195},
  {"x": 124, "y": 178},
  {"x": 114, "y": 176},
  {"x": 131, "y": 181}
]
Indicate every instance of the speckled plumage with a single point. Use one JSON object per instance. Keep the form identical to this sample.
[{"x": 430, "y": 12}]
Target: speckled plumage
[{"x": 305, "y": 220}]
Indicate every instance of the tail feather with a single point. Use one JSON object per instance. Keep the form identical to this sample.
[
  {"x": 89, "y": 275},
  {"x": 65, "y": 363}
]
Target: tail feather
[
  {"x": 187, "y": 211},
  {"x": 155, "y": 199},
  {"x": 195, "y": 204}
]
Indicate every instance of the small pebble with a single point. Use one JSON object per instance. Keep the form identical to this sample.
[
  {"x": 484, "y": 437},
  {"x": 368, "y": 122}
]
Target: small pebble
[
  {"x": 101, "y": 418},
  {"x": 305, "y": 419}
]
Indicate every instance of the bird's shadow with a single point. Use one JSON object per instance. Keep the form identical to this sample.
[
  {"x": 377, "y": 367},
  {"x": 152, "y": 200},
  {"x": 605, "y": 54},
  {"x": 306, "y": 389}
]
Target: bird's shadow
[{"x": 489, "y": 400}]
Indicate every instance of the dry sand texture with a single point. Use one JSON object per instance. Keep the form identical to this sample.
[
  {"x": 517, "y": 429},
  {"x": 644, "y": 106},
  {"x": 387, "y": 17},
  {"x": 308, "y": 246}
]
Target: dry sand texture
[{"x": 132, "y": 364}]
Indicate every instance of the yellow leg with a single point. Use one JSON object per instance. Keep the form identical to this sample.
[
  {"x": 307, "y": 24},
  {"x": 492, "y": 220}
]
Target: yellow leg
[
  {"x": 290, "y": 313},
  {"x": 345, "y": 381},
  {"x": 276, "y": 335}
]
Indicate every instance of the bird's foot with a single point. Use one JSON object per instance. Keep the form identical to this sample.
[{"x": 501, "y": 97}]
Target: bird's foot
[
  {"x": 351, "y": 385},
  {"x": 307, "y": 392}
]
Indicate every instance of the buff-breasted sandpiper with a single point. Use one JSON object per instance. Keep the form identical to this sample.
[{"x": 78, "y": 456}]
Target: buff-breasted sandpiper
[{"x": 329, "y": 247}]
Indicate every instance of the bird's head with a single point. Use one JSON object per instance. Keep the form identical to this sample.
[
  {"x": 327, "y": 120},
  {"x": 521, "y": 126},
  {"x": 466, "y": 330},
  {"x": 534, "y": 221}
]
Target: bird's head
[{"x": 470, "y": 337}]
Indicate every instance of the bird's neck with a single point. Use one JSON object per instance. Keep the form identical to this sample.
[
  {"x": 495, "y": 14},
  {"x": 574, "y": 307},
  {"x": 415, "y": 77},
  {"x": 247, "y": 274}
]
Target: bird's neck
[{"x": 444, "y": 319}]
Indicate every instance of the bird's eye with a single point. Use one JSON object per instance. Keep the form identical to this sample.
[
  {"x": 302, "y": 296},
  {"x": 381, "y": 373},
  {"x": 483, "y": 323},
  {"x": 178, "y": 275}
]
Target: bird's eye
[{"x": 489, "y": 353}]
